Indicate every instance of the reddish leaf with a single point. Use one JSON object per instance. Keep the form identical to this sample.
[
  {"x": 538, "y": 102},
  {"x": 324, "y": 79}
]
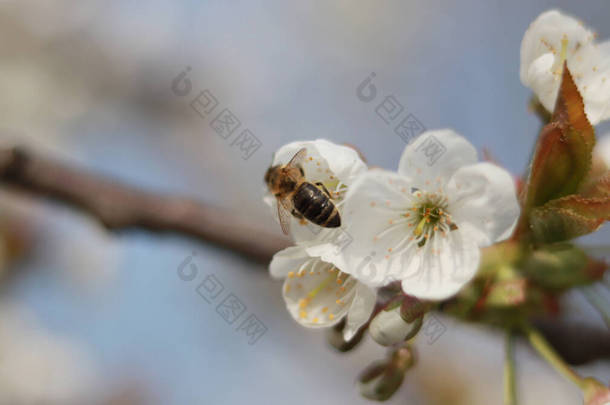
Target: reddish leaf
[
  {"x": 592, "y": 208},
  {"x": 553, "y": 224},
  {"x": 562, "y": 157}
]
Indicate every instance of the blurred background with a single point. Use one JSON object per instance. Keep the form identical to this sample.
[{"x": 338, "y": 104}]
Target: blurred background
[{"x": 90, "y": 317}]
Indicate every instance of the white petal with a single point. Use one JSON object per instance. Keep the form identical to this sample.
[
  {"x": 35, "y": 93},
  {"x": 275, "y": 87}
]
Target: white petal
[
  {"x": 483, "y": 195},
  {"x": 360, "y": 310},
  {"x": 287, "y": 260},
  {"x": 313, "y": 296},
  {"x": 324, "y": 159},
  {"x": 544, "y": 36},
  {"x": 591, "y": 71},
  {"x": 388, "y": 327},
  {"x": 589, "y": 63},
  {"x": 441, "y": 273},
  {"x": 373, "y": 204},
  {"x": 326, "y": 162},
  {"x": 435, "y": 155}
]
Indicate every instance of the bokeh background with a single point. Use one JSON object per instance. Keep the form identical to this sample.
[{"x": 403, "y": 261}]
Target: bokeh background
[{"x": 88, "y": 317}]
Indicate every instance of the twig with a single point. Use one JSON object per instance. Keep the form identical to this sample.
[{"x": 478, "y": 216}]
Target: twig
[
  {"x": 119, "y": 206},
  {"x": 545, "y": 350},
  {"x": 510, "y": 391}
]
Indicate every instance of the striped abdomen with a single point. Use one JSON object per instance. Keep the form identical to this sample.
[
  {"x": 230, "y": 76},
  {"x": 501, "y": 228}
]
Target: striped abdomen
[{"x": 315, "y": 206}]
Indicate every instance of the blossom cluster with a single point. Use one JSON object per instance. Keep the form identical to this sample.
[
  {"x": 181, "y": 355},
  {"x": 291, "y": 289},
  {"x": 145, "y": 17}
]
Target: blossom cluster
[
  {"x": 422, "y": 225},
  {"x": 412, "y": 237}
]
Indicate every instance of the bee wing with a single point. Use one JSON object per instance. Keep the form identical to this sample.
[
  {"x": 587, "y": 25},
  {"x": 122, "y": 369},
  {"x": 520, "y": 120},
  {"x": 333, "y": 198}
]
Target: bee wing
[
  {"x": 283, "y": 213},
  {"x": 298, "y": 158}
]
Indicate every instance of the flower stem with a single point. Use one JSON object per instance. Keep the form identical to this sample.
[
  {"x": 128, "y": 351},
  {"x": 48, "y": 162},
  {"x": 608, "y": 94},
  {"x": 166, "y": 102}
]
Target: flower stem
[
  {"x": 598, "y": 303},
  {"x": 510, "y": 392},
  {"x": 543, "y": 348}
]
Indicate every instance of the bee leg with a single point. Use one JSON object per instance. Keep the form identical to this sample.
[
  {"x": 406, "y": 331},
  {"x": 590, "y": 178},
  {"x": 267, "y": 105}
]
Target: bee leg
[{"x": 323, "y": 187}]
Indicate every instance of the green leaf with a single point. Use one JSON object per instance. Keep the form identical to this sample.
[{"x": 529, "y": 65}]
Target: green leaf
[
  {"x": 568, "y": 217},
  {"x": 561, "y": 266},
  {"x": 558, "y": 224}
]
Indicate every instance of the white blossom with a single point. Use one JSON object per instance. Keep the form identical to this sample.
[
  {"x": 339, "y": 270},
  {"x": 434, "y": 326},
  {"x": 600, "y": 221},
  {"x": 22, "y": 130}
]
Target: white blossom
[
  {"x": 425, "y": 224},
  {"x": 318, "y": 294},
  {"x": 554, "y": 38},
  {"x": 335, "y": 166}
]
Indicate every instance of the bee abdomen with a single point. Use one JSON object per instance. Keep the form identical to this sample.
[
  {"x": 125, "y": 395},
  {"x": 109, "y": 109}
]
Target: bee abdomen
[{"x": 314, "y": 205}]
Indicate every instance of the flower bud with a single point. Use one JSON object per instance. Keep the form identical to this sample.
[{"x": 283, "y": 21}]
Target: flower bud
[
  {"x": 596, "y": 393},
  {"x": 389, "y": 327},
  {"x": 335, "y": 337},
  {"x": 382, "y": 379}
]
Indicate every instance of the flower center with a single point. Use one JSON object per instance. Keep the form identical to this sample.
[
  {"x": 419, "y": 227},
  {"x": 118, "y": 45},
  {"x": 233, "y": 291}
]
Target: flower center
[
  {"x": 428, "y": 216},
  {"x": 563, "y": 54}
]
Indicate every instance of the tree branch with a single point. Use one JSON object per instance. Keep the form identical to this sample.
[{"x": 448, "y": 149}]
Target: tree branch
[{"x": 119, "y": 206}]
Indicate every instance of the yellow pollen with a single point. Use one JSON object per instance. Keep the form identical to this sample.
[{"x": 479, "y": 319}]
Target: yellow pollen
[
  {"x": 331, "y": 316},
  {"x": 315, "y": 320},
  {"x": 338, "y": 302},
  {"x": 291, "y": 274},
  {"x": 303, "y": 314},
  {"x": 287, "y": 287},
  {"x": 324, "y": 309}
]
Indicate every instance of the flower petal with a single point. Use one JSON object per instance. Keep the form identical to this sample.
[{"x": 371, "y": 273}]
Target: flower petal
[
  {"x": 326, "y": 162},
  {"x": 541, "y": 62},
  {"x": 483, "y": 195},
  {"x": 318, "y": 295},
  {"x": 374, "y": 203},
  {"x": 360, "y": 310},
  {"x": 544, "y": 36},
  {"x": 324, "y": 158},
  {"x": 287, "y": 260},
  {"x": 434, "y": 156},
  {"x": 439, "y": 274}
]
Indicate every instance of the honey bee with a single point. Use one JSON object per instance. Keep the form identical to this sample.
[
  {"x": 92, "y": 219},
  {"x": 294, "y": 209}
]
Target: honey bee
[{"x": 299, "y": 198}]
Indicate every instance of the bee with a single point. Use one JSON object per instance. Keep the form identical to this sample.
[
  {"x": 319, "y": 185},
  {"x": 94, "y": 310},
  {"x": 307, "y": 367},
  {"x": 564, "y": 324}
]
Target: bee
[{"x": 299, "y": 198}]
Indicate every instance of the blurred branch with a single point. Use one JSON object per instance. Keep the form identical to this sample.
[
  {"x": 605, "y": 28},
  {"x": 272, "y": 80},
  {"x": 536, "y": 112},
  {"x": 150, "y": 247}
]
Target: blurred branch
[
  {"x": 120, "y": 206},
  {"x": 577, "y": 342}
]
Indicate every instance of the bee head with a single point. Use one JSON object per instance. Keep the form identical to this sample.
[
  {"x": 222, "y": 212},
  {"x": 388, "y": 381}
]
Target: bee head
[{"x": 271, "y": 175}]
